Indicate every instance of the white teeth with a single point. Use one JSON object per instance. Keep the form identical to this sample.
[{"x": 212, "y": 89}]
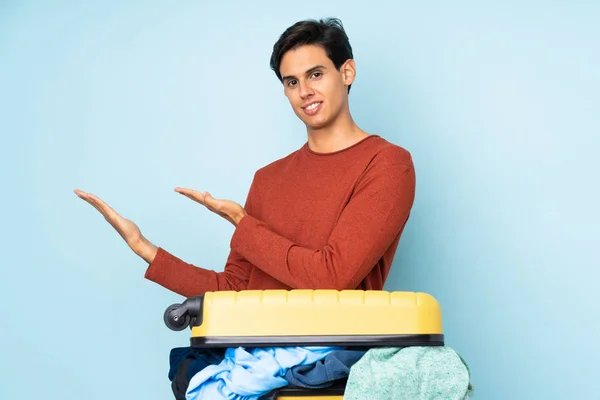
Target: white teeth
[{"x": 312, "y": 106}]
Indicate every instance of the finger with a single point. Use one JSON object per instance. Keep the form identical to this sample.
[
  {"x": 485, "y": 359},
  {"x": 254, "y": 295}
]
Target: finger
[
  {"x": 194, "y": 198},
  {"x": 100, "y": 203},
  {"x": 97, "y": 207},
  {"x": 101, "y": 210},
  {"x": 192, "y": 194},
  {"x": 108, "y": 212},
  {"x": 189, "y": 192},
  {"x": 86, "y": 197}
]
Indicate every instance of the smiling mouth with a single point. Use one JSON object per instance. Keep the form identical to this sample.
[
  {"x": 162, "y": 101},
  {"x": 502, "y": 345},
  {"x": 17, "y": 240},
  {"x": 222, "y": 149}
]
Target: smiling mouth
[{"x": 312, "y": 108}]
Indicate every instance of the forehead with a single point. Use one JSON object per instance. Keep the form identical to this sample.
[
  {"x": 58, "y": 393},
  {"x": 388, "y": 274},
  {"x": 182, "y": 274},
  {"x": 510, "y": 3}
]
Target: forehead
[{"x": 297, "y": 61}]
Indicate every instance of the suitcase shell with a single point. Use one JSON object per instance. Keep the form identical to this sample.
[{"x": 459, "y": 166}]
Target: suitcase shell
[{"x": 269, "y": 318}]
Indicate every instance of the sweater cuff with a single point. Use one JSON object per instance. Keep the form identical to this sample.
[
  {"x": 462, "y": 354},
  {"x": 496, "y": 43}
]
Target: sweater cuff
[{"x": 159, "y": 269}]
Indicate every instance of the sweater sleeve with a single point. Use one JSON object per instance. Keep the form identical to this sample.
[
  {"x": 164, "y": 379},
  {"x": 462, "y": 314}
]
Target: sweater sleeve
[
  {"x": 374, "y": 216},
  {"x": 189, "y": 280}
]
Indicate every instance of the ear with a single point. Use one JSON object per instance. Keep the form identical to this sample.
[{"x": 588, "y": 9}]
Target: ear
[{"x": 348, "y": 71}]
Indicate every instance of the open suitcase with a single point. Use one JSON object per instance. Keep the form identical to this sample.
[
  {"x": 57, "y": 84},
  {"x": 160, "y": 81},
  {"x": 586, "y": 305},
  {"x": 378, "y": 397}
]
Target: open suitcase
[{"x": 268, "y": 318}]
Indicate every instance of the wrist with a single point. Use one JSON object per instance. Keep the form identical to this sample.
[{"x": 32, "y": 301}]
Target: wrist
[
  {"x": 145, "y": 249},
  {"x": 239, "y": 217}
]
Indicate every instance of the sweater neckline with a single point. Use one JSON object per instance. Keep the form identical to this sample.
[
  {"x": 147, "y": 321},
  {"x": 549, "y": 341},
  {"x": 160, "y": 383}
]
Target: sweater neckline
[{"x": 316, "y": 154}]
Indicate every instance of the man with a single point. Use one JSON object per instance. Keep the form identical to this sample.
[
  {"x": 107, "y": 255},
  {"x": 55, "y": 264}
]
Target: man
[{"x": 327, "y": 216}]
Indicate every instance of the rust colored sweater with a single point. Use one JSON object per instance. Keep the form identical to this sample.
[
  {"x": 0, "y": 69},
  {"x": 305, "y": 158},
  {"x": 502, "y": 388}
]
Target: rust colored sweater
[{"x": 315, "y": 221}]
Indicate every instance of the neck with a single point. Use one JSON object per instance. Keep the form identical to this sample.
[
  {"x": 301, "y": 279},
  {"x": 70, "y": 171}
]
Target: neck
[{"x": 342, "y": 133}]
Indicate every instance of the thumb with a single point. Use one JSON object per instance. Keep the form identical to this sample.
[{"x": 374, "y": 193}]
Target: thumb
[{"x": 208, "y": 198}]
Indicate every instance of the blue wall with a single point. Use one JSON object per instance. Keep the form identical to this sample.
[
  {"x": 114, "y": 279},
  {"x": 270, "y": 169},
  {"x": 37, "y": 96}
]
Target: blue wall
[{"x": 497, "y": 103}]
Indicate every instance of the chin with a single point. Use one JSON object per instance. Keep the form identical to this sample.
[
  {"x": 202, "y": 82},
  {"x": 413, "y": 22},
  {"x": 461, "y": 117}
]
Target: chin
[
  {"x": 316, "y": 123},
  {"x": 316, "y": 127}
]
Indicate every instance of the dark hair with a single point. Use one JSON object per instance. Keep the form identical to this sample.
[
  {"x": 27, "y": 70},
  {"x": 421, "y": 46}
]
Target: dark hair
[{"x": 328, "y": 33}]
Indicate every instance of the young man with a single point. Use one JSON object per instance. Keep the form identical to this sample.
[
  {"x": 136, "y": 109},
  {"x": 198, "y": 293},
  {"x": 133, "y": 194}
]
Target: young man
[{"x": 327, "y": 216}]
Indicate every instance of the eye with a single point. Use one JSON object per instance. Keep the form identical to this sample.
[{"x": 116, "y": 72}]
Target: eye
[
  {"x": 317, "y": 74},
  {"x": 292, "y": 82}
]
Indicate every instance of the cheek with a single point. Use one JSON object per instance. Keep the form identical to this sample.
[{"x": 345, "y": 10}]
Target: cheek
[
  {"x": 328, "y": 89},
  {"x": 333, "y": 98},
  {"x": 292, "y": 98}
]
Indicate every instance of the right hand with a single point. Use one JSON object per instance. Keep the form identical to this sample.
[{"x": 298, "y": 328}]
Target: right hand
[{"x": 128, "y": 230}]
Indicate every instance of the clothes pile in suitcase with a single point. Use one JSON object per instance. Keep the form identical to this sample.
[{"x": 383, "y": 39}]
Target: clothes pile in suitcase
[{"x": 314, "y": 344}]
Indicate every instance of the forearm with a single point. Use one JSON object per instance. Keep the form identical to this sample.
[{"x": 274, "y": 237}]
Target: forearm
[
  {"x": 145, "y": 249},
  {"x": 189, "y": 280}
]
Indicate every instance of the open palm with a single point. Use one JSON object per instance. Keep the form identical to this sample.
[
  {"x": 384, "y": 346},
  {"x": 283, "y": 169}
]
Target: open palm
[{"x": 128, "y": 230}]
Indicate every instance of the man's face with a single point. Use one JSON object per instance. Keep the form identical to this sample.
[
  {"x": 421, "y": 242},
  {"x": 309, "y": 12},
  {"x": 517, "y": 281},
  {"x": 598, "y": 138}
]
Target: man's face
[{"x": 316, "y": 90}]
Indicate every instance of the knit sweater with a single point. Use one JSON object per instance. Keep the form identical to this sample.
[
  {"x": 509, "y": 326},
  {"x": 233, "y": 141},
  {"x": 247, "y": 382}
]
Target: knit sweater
[{"x": 314, "y": 221}]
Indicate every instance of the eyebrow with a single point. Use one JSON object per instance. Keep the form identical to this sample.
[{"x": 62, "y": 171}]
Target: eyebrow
[{"x": 308, "y": 72}]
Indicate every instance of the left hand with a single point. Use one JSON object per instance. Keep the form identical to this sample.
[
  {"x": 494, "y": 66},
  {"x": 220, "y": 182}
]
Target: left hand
[{"x": 230, "y": 210}]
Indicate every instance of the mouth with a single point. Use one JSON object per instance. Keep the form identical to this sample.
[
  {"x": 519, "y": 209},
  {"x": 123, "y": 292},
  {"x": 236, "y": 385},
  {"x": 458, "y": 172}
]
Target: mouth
[{"x": 312, "y": 108}]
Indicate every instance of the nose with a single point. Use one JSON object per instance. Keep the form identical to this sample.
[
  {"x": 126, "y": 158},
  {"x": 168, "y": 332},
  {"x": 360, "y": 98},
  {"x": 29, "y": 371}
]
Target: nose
[{"x": 305, "y": 90}]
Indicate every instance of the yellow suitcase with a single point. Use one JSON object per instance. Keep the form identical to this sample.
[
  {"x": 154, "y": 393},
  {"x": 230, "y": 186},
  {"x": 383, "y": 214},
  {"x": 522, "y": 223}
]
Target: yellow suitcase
[{"x": 268, "y": 318}]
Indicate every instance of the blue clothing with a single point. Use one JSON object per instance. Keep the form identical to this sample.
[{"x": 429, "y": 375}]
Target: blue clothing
[
  {"x": 323, "y": 373},
  {"x": 248, "y": 374},
  {"x": 180, "y": 381},
  {"x": 200, "y": 359}
]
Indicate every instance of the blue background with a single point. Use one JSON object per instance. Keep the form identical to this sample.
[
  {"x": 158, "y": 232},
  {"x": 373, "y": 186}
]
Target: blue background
[{"x": 498, "y": 104}]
